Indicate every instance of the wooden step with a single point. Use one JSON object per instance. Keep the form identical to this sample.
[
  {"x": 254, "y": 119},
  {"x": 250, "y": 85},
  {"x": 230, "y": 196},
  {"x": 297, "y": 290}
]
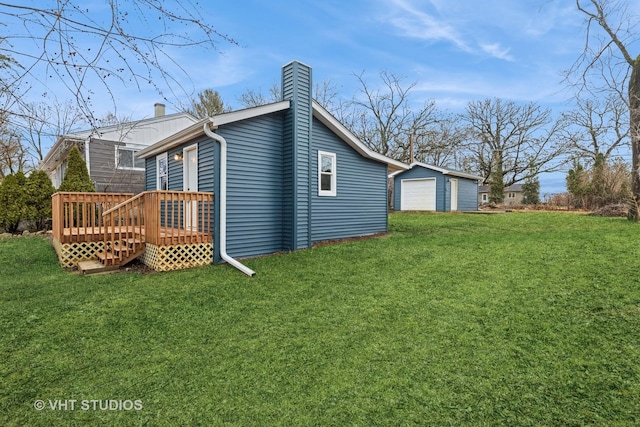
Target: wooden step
[
  {"x": 130, "y": 241},
  {"x": 113, "y": 257},
  {"x": 95, "y": 267}
]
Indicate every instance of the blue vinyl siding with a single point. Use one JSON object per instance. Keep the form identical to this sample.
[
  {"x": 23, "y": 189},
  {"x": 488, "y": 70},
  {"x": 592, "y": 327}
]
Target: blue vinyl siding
[
  {"x": 467, "y": 189},
  {"x": 296, "y": 86},
  {"x": 360, "y": 205},
  {"x": 150, "y": 173},
  {"x": 254, "y": 186},
  {"x": 467, "y": 195},
  {"x": 176, "y": 175}
]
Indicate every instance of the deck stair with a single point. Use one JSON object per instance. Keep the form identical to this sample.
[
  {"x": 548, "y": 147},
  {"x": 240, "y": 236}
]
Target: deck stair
[
  {"x": 121, "y": 252},
  {"x": 126, "y": 239}
]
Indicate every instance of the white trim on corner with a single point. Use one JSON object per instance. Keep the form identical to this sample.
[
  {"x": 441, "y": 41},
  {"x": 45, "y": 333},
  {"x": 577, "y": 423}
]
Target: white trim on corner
[{"x": 334, "y": 174}]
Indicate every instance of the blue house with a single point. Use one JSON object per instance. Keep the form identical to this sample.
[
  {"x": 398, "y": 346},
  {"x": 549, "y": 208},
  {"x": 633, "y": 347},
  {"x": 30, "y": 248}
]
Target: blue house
[
  {"x": 430, "y": 188},
  {"x": 284, "y": 175}
]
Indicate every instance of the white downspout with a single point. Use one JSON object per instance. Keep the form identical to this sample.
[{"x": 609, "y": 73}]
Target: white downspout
[{"x": 222, "y": 202}]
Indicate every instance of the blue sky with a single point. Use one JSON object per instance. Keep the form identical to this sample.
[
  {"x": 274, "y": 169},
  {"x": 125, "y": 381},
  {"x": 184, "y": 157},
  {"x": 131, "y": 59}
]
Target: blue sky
[{"x": 455, "y": 51}]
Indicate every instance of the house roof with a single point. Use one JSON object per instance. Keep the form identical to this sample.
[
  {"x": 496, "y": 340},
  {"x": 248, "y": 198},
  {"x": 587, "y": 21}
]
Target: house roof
[
  {"x": 319, "y": 113},
  {"x": 138, "y": 132},
  {"x": 486, "y": 189},
  {"x": 326, "y": 118},
  {"x": 443, "y": 171}
]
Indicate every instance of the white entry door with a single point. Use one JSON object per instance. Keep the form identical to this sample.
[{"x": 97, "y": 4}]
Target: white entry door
[
  {"x": 190, "y": 159},
  {"x": 454, "y": 195},
  {"x": 418, "y": 194}
]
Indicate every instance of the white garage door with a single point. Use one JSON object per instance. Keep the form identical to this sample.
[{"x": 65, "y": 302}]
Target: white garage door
[{"x": 418, "y": 194}]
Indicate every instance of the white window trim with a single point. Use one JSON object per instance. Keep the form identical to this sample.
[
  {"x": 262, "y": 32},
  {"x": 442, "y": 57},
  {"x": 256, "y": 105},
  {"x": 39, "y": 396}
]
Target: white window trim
[
  {"x": 158, "y": 158},
  {"x": 334, "y": 175},
  {"x": 133, "y": 152}
]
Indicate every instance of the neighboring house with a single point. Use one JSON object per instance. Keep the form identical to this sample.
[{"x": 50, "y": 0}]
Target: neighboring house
[
  {"x": 294, "y": 174},
  {"x": 512, "y": 195},
  {"x": 430, "y": 188},
  {"x": 110, "y": 152}
]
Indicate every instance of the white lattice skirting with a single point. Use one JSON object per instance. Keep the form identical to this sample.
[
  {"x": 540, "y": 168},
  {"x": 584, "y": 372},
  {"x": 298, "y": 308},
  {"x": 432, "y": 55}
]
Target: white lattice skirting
[
  {"x": 70, "y": 254},
  {"x": 177, "y": 257}
]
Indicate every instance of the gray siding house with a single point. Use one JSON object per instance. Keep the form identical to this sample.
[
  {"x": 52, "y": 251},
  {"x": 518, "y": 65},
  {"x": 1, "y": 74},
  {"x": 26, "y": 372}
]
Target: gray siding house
[
  {"x": 513, "y": 195},
  {"x": 430, "y": 188},
  {"x": 293, "y": 175},
  {"x": 110, "y": 151}
]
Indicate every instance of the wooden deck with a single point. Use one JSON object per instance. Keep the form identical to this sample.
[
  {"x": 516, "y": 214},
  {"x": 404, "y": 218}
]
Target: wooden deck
[
  {"x": 167, "y": 235},
  {"x": 175, "y": 226}
]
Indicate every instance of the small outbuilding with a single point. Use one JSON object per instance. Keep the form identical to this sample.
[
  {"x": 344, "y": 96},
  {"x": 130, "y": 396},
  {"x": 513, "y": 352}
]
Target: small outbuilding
[{"x": 425, "y": 187}]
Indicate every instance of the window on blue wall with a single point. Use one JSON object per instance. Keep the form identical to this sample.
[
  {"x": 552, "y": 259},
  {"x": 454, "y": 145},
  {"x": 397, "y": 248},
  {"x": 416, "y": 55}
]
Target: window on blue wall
[
  {"x": 326, "y": 174},
  {"x": 162, "y": 172}
]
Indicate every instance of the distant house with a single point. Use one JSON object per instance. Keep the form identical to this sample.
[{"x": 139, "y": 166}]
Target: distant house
[
  {"x": 430, "y": 188},
  {"x": 512, "y": 195},
  {"x": 110, "y": 152},
  {"x": 284, "y": 175}
]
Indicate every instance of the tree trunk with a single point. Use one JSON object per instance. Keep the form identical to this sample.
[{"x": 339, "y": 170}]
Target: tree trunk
[{"x": 634, "y": 123}]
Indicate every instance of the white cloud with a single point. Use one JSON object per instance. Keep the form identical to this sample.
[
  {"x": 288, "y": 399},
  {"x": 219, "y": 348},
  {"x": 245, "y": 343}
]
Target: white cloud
[
  {"x": 497, "y": 51},
  {"x": 421, "y": 25}
]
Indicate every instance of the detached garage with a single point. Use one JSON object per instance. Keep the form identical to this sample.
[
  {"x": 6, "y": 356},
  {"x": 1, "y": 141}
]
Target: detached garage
[{"x": 430, "y": 188}]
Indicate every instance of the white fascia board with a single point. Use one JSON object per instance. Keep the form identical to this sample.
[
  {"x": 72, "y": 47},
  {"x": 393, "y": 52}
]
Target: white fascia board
[
  {"x": 248, "y": 113},
  {"x": 57, "y": 153},
  {"x": 447, "y": 171},
  {"x": 464, "y": 175},
  {"x": 432, "y": 167},
  {"x": 196, "y": 130},
  {"x": 320, "y": 113}
]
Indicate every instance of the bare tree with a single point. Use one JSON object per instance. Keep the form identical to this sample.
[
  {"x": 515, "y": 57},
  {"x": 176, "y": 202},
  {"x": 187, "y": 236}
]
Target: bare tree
[
  {"x": 385, "y": 119},
  {"x": 41, "y": 123},
  {"x": 608, "y": 49},
  {"x": 599, "y": 126},
  {"x": 13, "y": 157},
  {"x": 81, "y": 48},
  {"x": 510, "y": 143},
  {"x": 255, "y": 98},
  {"x": 324, "y": 92},
  {"x": 441, "y": 144}
]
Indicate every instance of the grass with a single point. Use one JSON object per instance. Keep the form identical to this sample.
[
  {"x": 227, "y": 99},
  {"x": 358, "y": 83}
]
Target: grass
[{"x": 514, "y": 319}]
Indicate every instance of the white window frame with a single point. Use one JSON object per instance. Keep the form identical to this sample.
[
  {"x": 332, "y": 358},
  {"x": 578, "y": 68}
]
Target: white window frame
[
  {"x": 160, "y": 157},
  {"x": 133, "y": 152},
  {"x": 334, "y": 174}
]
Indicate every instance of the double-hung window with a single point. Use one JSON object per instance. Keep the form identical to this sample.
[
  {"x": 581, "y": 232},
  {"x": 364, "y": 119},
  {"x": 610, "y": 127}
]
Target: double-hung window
[{"x": 327, "y": 175}]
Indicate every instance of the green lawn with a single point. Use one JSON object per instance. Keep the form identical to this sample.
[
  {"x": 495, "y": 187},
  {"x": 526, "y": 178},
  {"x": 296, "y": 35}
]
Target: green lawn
[{"x": 452, "y": 319}]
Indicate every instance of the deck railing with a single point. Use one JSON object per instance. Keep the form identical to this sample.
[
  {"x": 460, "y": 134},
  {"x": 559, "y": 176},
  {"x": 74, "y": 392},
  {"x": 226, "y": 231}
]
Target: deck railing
[
  {"x": 77, "y": 217},
  {"x": 157, "y": 217},
  {"x": 178, "y": 217}
]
